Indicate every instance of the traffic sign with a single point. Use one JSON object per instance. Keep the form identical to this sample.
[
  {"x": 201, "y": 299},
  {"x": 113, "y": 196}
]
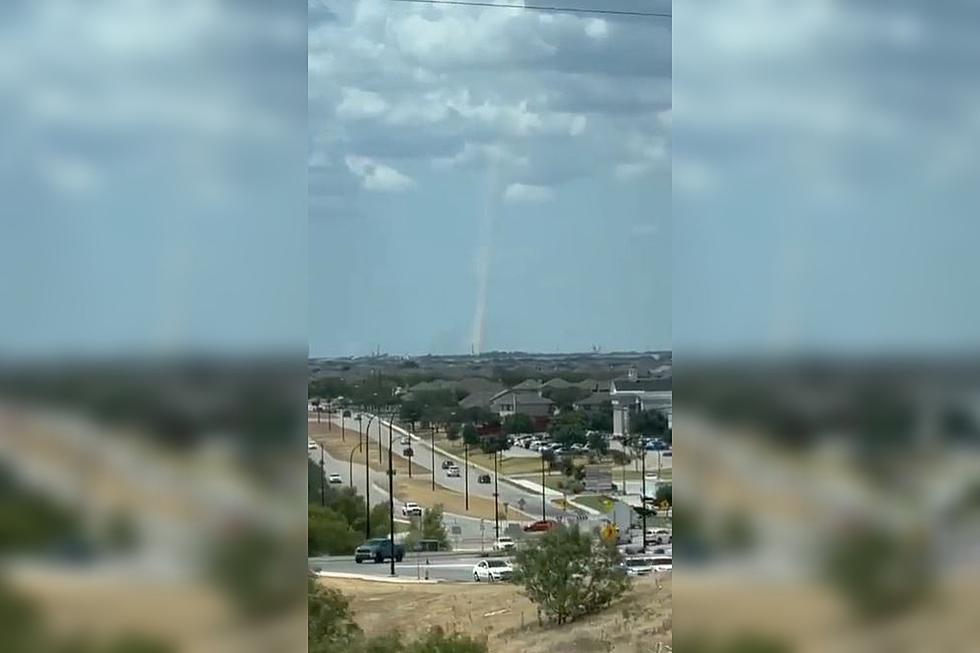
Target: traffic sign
[
  {"x": 521, "y": 503},
  {"x": 456, "y": 530}
]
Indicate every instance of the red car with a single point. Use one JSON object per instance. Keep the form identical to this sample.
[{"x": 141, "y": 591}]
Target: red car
[{"x": 540, "y": 525}]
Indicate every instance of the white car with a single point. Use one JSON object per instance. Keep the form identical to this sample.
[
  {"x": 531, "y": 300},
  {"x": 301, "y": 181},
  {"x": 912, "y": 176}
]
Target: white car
[
  {"x": 310, "y": 445},
  {"x": 492, "y": 570},
  {"x": 662, "y": 563},
  {"x": 411, "y": 509},
  {"x": 659, "y": 536},
  {"x": 334, "y": 479},
  {"x": 452, "y": 471},
  {"x": 405, "y": 441},
  {"x": 504, "y": 543},
  {"x": 638, "y": 566}
]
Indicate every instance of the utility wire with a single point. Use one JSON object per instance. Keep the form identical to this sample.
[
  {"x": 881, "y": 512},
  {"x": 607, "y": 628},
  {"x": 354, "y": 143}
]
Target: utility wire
[{"x": 569, "y": 10}]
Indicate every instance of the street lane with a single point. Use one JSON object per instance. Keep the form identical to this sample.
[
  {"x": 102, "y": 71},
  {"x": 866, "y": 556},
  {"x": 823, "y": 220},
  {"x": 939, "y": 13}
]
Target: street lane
[{"x": 451, "y": 568}]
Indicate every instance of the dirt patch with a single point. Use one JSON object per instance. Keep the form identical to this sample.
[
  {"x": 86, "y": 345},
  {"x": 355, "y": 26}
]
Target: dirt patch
[{"x": 508, "y": 621}]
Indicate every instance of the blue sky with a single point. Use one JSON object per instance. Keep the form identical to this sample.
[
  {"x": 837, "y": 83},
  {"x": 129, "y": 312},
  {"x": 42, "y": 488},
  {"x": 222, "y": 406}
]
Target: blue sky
[{"x": 499, "y": 158}]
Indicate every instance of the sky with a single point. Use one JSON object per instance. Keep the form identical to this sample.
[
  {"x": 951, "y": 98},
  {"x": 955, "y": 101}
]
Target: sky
[{"x": 488, "y": 178}]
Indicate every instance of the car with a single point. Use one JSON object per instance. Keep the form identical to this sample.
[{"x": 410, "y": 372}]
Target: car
[
  {"x": 453, "y": 472},
  {"x": 540, "y": 526},
  {"x": 638, "y": 566},
  {"x": 668, "y": 454},
  {"x": 311, "y": 445},
  {"x": 405, "y": 440},
  {"x": 504, "y": 543},
  {"x": 408, "y": 452},
  {"x": 492, "y": 570},
  {"x": 411, "y": 509},
  {"x": 446, "y": 464},
  {"x": 379, "y": 550},
  {"x": 662, "y": 563},
  {"x": 483, "y": 479},
  {"x": 334, "y": 479},
  {"x": 658, "y": 536}
]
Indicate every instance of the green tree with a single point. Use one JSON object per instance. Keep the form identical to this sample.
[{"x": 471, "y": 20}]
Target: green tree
[
  {"x": 601, "y": 418},
  {"x": 665, "y": 493},
  {"x": 565, "y": 398},
  {"x": 494, "y": 444},
  {"x": 648, "y": 422},
  {"x": 452, "y": 432},
  {"x": 411, "y": 412},
  {"x": 429, "y": 527},
  {"x": 330, "y": 625},
  {"x": 518, "y": 423},
  {"x": 329, "y": 533},
  {"x": 470, "y": 436},
  {"x": 569, "y": 428},
  {"x": 597, "y": 442},
  {"x": 568, "y": 573}
]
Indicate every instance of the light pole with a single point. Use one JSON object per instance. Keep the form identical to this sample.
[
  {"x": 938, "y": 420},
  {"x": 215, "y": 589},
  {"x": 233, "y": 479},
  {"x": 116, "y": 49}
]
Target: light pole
[
  {"x": 391, "y": 499},
  {"x": 367, "y": 476},
  {"x": 323, "y": 481},
  {"x": 496, "y": 493},
  {"x": 643, "y": 499},
  {"x": 350, "y": 471},
  {"x": 466, "y": 475},
  {"x": 343, "y": 422},
  {"x": 432, "y": 450},
  {"x": 542, "y": 488}
]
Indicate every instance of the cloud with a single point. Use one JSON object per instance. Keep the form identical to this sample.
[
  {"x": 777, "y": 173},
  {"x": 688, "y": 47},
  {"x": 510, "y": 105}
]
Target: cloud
[
  {"x": 356, "y": 103},
  {"x": 528, "y": 193},
  {"x": 596, "y": 28},
  {"x": 376, "y": 176}
]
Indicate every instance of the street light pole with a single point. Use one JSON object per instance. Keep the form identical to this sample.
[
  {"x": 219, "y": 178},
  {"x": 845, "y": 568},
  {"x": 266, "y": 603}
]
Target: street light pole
[
  {"x": 542, "y": 488},
  {"x": 343, "y": 421},
  {"x": 323, "y": 481},
  {"x": 466, "y": 475},
  {"x": 391, "y": 500},
  {"x": 432, "y": 450},
  {"x": 350, "y": 471},
  {"x": 496, "y": 494},
  {"x": 643, "y": 499},
  {"x": 367, "y": 480}
]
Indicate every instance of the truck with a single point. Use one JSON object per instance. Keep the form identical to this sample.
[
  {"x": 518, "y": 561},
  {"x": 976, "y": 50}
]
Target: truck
[{"x": 379, "y": 550}]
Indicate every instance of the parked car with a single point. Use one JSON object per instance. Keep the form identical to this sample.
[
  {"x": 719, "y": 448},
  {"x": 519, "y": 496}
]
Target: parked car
[
  {"x": 453, "y": 472},
  {"x": 378, "y": 550},
  {"x": 311, "y": 445},
  {"x": 504, "y": 543},
  {"x": 662, "y": 563},
  {"x": 483, "y": 479},
  {"x": 668, "y": 454},
  {"x": 446, "y": 464},
  {"x": 638, "y": 566},
  {"x": 346, "y": 413},
  {"x": 658, "y": 536},
  {"x": 411, "y": 509},
  {"x": 334, "y": 479},
  {"x": 540, "y": 526},
  {"x": 492, "y": 570}
]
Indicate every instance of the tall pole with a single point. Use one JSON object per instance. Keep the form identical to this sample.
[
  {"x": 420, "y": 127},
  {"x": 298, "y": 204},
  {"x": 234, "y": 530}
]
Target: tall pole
[
  {"x": 323, "y": 481},
  {"x": 380, "y": 432},
  {"x": 432, "y": 450},
  {"x": 496, "y": 493},
  {"x": 542, "y": 488},
  {"x": 391, "y": 500},
  {"x": 343, "y": 421},
  {"x": 367, "y": 480},
  {"x": 466, "y": 475},
  {"x": 643, "y": 454}
]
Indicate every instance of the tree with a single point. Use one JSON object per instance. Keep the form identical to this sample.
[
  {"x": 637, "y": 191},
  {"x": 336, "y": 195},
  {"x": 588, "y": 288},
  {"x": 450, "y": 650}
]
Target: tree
[
  {"x": 470, "y": 435},
  {"x": 665, "y": 493},
  {"x": 330, "y": 625},
  {"x": 452, "y": 432},
  {"x": 568, "y": 573},
  {"x": 601, "y": 418},
  {"x": 494, "y": 444},
  {"x": 518, "y": 423},
  {"x": 648, "y": 422},
  {"x": 410, "y": 412},
  {"x": 329, "y": 533},
  {"x": 565, "y": 398},
  {"x": 429, "y": 527},
  {"x": 597, "y": 442},
  {"x": 569, "y": 428}
]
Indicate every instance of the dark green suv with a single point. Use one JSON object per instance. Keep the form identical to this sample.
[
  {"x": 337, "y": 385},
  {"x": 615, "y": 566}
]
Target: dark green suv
[{"x": 379, "y": 550}]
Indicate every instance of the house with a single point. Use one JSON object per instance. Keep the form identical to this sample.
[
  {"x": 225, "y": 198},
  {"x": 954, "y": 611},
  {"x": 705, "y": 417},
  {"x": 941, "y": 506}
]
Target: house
[
  {"x": 634, "y": 393},
  {"x": 479, "y": 399},
  {"x": 531, "y": 403},
  {"x": 559, "y": 383},
  {"x": 592, "y": 385},
  {"x": 593, "y": 402},
  {"x": 529, "y": 385}
]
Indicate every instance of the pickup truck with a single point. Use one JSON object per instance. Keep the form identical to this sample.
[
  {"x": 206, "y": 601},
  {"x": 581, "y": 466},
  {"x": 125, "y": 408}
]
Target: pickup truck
[{"x": 379, "y": 550}]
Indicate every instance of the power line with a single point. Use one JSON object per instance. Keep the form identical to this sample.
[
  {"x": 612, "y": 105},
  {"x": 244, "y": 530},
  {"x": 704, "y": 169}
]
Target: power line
[{"x": 568, "y": 10}]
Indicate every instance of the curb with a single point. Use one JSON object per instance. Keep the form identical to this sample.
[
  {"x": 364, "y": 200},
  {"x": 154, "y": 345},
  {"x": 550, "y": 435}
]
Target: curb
[{"x": 377, "y": 579}]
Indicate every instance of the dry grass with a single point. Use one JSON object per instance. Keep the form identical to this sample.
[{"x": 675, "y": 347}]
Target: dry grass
[{"x": 508, "y": 621}]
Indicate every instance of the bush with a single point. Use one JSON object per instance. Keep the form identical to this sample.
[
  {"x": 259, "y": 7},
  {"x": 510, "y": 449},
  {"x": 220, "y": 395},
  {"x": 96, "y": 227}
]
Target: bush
[
  {"x": 665, "y": 493},
  {"x": 568, "y": 573},
  {"x": 452, "y": 432}
]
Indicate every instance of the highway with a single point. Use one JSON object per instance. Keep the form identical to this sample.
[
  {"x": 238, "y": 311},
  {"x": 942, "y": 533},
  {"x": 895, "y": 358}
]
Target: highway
[{"x": 451, "y": 567}]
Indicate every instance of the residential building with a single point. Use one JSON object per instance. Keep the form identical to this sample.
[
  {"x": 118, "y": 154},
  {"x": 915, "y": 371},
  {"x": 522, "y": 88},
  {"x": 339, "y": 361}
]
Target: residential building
[
  {"x": 531, "y": 403},
  {"x": 635, "y": 393}
]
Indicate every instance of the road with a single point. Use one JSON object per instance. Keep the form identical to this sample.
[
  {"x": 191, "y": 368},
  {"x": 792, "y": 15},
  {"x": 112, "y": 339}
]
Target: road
[
  {"x": 451, "y": 567},
  {"x": 509, "y": 494}
]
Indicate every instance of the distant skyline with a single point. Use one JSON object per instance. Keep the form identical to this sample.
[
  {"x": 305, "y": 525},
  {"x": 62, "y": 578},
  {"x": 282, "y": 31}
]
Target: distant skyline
[{"x": 494, "y": 179}]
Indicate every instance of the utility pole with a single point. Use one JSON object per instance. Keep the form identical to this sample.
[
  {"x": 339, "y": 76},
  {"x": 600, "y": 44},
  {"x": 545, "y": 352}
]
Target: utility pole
[
  {"x": 343, "y": 421},
  {"x": 466, "y": 475},
  {"x": 367, "y": 480},
  {"x": 323, "y": 481},
  {"x": 542, "y": 488},
  {"x": 391, "y": 500},
  {"x": 432, "y": 450},
  {"x": 496, "y": 494},
  {"x": 643, "y": 499}
]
